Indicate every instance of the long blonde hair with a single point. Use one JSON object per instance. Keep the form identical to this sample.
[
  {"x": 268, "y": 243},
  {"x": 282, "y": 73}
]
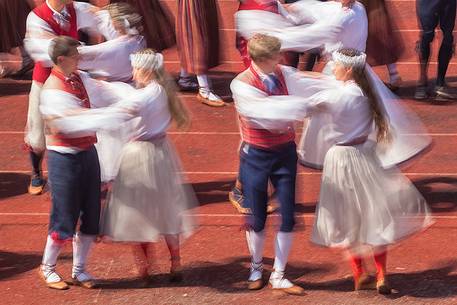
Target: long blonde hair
[
  {"x": 359, "y": 75},
  {"x": 178, "y": 111}
]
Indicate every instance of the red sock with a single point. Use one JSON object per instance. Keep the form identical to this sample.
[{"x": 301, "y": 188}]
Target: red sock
[
  {"x": 357, "y": 266},
  {"x": 380, "y": 260}
]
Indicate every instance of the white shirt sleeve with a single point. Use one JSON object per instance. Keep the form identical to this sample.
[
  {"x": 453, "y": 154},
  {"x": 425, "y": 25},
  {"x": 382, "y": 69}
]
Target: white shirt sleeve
[
  {"x": 301, "y": 84},
  {"x": 56, "y": 103},
  {"x": 63, "y": 113},
  {"x": 101, "y": 93},
  {"x": 38, "y": 38}
]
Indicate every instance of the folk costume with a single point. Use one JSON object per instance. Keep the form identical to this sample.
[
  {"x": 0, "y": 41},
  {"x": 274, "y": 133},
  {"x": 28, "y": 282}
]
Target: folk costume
[
  {"x": 74, "y": 172},
  {"x": 149, "y": 198},
  {"x": 362, "y": 207},
  {"x": 268, "y": 152},
  {"x": 43, "y": 24}
]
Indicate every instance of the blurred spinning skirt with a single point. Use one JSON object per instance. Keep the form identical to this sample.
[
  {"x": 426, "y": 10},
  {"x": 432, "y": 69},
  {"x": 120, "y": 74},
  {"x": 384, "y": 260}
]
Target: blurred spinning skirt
[
  {"x": 363, "y": 204},
  {"x": 148, "y": 197}
]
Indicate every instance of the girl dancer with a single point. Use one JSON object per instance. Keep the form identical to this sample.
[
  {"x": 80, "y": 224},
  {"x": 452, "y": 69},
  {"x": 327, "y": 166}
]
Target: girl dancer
[
  {"x": 362, "y": 206},
  {"x": 148, "y": 198}
]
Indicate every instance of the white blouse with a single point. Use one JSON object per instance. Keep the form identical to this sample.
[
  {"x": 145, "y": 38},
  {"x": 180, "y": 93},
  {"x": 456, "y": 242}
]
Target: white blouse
[{"x": 150, "y": 105}]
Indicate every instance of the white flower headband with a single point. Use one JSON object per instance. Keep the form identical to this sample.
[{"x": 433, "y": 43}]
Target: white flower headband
[
  {"x": 150, "y": 61},
  {"x": 357, "y": 61}
]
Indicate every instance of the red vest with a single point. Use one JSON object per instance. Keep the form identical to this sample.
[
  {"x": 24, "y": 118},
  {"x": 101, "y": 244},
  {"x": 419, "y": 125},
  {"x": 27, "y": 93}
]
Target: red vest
[
  {"x": 261, "y": 5},
  {"x": 75, "y": 86},
  {"x": 41, "y": 73},
  {"x": 261, "y": 137}
]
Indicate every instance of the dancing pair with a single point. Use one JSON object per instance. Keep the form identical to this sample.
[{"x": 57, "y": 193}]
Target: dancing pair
[{"x": 362, "y": 206}]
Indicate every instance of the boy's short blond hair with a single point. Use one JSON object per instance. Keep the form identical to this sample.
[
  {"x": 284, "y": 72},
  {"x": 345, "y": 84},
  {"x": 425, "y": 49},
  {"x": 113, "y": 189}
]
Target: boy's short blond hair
[{"x": 261, "y": 47}]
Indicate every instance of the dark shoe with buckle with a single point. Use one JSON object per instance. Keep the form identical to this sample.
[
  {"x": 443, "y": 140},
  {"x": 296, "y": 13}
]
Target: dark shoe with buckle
[
  {"x": 394, "y": 83},
  {"x": 36, "y": 186},
  {"x": 421, "y": 92},
  {"x": 176, "y": 274},
  {"x": 444, "y": 93},
  {"x": 383, "y": 287},
  {"x": 187, "y": 84}
]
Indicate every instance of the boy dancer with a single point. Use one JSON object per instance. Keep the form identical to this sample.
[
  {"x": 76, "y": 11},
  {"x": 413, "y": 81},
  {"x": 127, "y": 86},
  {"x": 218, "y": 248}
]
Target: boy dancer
[
  {"x": 46, "y": 21},
  {"x": 266, "y": 155},
  {"x": 74, "y": 170}
]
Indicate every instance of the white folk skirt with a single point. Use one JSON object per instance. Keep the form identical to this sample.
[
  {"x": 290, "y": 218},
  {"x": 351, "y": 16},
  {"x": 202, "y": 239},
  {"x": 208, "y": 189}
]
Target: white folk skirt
[
  {"x": 148, "y": 197},
  {"x": 34, "y": 130},
  {"x": 362, "y": 204}
]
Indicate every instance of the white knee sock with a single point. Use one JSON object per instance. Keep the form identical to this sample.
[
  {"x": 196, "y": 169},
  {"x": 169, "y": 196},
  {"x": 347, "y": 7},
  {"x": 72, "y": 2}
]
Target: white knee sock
[
  {"x": 256, "y": 243},
  {"x": 50, "y": 255},
  {"x": 203, "y": 81},
  {"x": 51, "y": 252},
  {"x": 81, "y": 247},
  {"x": 283, "y": 243}
]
